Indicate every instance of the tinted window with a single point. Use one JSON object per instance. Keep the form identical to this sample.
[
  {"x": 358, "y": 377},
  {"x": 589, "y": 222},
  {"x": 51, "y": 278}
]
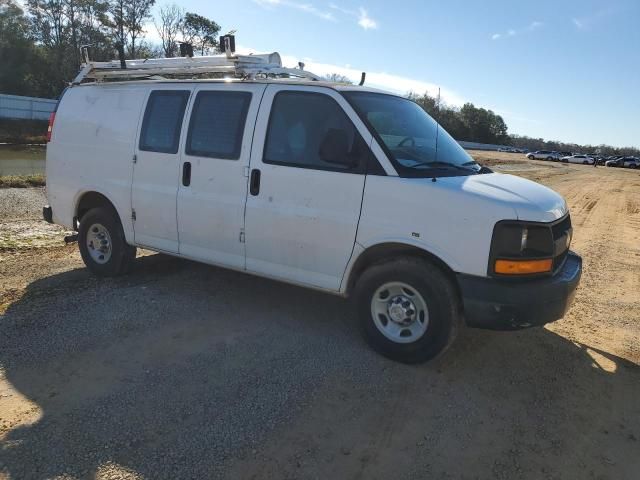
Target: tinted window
[
  {"x": 217, "y": 124},
  {"x": 298, "y": 125},
  {"x": 163, "y": 120}
]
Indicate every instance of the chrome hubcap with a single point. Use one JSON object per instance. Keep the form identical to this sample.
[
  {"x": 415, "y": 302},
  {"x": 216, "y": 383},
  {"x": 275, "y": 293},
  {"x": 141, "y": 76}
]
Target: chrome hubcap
[
  {"x": 99, "y": 243},
  {"x": 399, "y": 312}
]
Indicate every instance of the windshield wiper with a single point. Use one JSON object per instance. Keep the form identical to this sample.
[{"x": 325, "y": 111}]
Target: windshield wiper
[{"x": 437, "y": 165}]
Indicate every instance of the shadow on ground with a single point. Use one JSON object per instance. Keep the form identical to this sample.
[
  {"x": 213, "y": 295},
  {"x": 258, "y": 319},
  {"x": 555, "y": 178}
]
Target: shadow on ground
[{"x": 182, "y": 370}]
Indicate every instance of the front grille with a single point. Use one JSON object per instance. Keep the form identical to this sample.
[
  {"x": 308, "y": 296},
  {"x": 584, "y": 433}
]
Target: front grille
[{"x": 560, "y": 232}]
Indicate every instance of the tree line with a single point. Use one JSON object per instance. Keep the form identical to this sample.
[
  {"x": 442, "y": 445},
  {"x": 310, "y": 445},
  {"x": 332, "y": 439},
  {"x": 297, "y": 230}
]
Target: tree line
[
  {"x": 40, "y": 45},
  {"x": 474, "y": 124}
]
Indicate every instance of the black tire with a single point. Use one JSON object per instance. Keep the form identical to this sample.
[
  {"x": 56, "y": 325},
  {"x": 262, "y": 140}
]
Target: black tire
[
  {"x": 433, "y": 285},
  {"x": 530, "y": 157},
  {"x": 585, "y": 163},
  {"x": 122, "y": 254},
  {"x": 549, "y": 159}
]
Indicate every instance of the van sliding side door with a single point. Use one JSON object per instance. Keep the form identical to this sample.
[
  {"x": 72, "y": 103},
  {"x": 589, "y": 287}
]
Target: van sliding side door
[
  {"x": 156, "y": 169},
  {"x": 213, "y": 184}
]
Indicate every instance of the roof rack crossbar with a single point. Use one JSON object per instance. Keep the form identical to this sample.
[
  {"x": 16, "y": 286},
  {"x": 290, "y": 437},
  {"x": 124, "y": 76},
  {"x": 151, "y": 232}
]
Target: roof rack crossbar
[{"x": 250, "y": 66}]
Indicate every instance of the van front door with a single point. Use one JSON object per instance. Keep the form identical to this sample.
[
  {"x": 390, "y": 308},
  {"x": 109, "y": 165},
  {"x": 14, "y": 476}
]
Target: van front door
[
  {"x": 304, "y": 202},
  {"x": 213, "y": 186},
  {"x": 156, "y": 170}
]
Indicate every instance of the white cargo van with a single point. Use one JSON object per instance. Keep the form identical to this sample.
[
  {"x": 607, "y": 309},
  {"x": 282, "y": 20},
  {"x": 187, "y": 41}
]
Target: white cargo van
[{"x": 336, "y": 187}]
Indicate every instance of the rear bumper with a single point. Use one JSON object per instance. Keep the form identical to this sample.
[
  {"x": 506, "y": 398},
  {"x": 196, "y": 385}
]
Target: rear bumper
[
  {"x": 499, "y": 304},
  {"x": 47, "y": 214}
]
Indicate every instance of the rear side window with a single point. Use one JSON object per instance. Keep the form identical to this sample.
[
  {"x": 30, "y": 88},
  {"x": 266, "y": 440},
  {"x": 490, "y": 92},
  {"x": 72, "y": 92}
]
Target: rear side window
[
  {"x": 163, "y": 121},
  {"x": 298, "y": 125},
  {"x": 217, "y": 124}
]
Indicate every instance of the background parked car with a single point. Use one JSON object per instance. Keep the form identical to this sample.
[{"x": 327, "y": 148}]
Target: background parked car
[
  {"x": 614, "y": 162},
  {"x": 631, "y": 162},
  {"x": 544, "y": 155},
  {"x": 565, "y": 154},
  {"x": 584, "y": 159}
]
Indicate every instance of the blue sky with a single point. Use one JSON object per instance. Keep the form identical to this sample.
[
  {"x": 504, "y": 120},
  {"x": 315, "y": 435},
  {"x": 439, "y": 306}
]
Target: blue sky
[{"x": 563, "y": 69}]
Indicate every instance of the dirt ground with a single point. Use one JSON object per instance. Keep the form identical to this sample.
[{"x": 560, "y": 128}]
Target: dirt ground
[{"x": 182, "y": 370}]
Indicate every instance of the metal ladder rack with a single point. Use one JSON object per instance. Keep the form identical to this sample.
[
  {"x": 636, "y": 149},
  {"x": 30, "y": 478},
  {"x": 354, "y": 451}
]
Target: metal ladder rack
[{"x": 229, "y": 65}]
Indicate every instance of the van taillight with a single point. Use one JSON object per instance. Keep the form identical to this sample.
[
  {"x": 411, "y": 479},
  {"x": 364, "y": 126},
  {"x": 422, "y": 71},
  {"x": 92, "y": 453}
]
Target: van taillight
[{"x": 52, "y": 118}]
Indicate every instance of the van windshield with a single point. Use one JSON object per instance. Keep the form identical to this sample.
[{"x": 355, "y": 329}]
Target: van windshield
[{"x": 414, "y": 142}]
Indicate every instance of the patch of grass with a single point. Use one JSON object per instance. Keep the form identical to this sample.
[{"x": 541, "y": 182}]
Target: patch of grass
[
  {"x": 22, "y": 181},
  {"x": 23, "y": 131}
]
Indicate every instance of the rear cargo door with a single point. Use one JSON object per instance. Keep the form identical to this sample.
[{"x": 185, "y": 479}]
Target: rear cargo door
[{"x": 157, "y": 169}]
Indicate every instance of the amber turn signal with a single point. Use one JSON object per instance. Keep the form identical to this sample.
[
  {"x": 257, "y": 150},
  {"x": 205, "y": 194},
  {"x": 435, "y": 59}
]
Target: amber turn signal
[{"x": 523, "y": 267}]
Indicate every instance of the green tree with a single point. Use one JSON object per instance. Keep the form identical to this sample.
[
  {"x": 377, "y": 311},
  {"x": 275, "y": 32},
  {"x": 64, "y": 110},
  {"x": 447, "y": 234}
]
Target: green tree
[
  {"x": 127, "y": 19},
  {"x": 201, "y": 32},
  {"x": 16, "y": 49}
]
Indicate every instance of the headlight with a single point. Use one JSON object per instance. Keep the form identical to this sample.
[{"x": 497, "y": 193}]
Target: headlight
[{"x": 525, "y": 248}]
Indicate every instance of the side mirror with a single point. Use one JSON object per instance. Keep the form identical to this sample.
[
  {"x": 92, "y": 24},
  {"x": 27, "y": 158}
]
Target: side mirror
[{"x": 334, "y": 148}]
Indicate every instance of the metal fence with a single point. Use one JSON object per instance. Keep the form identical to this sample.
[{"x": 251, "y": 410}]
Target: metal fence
[{"x": 29, "y": 108}]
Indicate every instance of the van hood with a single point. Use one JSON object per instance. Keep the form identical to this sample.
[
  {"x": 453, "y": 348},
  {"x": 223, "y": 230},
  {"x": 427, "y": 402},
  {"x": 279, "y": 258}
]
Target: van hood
[{"x": 530, "y": 200}]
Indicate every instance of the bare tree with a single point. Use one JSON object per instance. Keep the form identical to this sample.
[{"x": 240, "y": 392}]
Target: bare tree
[
  {"x": 337, "y": 78},
  {"x": 171, "y": 18}
]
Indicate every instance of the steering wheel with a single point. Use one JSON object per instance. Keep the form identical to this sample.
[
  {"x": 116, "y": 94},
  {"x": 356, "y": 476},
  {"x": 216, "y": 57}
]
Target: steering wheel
[{"x": 406, "y": 139}]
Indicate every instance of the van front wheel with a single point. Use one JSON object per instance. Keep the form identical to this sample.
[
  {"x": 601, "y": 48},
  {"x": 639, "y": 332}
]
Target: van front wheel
[
  {"x": 103, "y": 247},
  {"x": 408, "y": 309}
]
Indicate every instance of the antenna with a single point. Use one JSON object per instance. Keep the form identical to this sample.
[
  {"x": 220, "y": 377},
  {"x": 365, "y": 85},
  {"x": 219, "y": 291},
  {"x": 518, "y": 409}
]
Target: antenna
[{"x": 362, "y": 77}]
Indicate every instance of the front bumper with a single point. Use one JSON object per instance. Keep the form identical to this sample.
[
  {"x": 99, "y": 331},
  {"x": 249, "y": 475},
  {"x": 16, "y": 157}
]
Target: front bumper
[{"x": 500, "y": 304}]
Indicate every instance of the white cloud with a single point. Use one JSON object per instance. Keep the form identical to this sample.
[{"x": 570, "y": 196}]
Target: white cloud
[
  {"x": 513, "y": 32},
  {"x": 534, "y": 25},
  {"x": 385, "y": 81},
  {"x": 585, "y": 22},
  {"x": 304, "y": 7},
  {"x": 365, "y": 21},
  {"x": 362, "y": 16}
]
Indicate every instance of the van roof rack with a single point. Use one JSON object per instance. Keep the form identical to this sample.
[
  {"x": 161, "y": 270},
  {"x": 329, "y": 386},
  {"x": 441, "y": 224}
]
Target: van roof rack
[{"x": 227, "y": 65}]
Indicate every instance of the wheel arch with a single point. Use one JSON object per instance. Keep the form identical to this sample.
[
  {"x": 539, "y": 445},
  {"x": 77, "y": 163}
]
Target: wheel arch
[
  {"x": 383, "y": 251},
  {"x": 89, "y": 199}
]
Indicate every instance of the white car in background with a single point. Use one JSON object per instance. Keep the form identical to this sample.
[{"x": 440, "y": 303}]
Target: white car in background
[
  {"x": 544, "y": 155},
  {"x": 584, "y": 159}
]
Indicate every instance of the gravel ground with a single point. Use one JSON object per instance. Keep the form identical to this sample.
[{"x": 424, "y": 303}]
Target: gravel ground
[
  {"x": 182, "y": 370},
  {"x": 21, "y": 224},
  {"x": 21, "y": 203}
]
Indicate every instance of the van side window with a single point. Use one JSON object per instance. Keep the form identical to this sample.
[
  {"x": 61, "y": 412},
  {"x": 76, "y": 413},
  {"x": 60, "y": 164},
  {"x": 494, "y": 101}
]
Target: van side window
[
  {"x": 217, "y": 124},
  {"x": 303, "y": 124},
  {"x": 163, "y": 121}
]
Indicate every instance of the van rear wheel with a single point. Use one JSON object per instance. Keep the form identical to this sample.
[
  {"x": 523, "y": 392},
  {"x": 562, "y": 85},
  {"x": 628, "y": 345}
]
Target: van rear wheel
[
  {"x": 408, "y": 309},
  {"x": 103, "y": 247}
]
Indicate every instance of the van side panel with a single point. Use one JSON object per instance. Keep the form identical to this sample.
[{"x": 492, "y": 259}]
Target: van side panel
[{"x": 92, "y": 149}]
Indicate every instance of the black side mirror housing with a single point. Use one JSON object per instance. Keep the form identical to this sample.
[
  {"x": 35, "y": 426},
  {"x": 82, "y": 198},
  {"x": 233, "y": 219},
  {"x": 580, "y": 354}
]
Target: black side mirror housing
[{"x": 334, "y": 148}]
